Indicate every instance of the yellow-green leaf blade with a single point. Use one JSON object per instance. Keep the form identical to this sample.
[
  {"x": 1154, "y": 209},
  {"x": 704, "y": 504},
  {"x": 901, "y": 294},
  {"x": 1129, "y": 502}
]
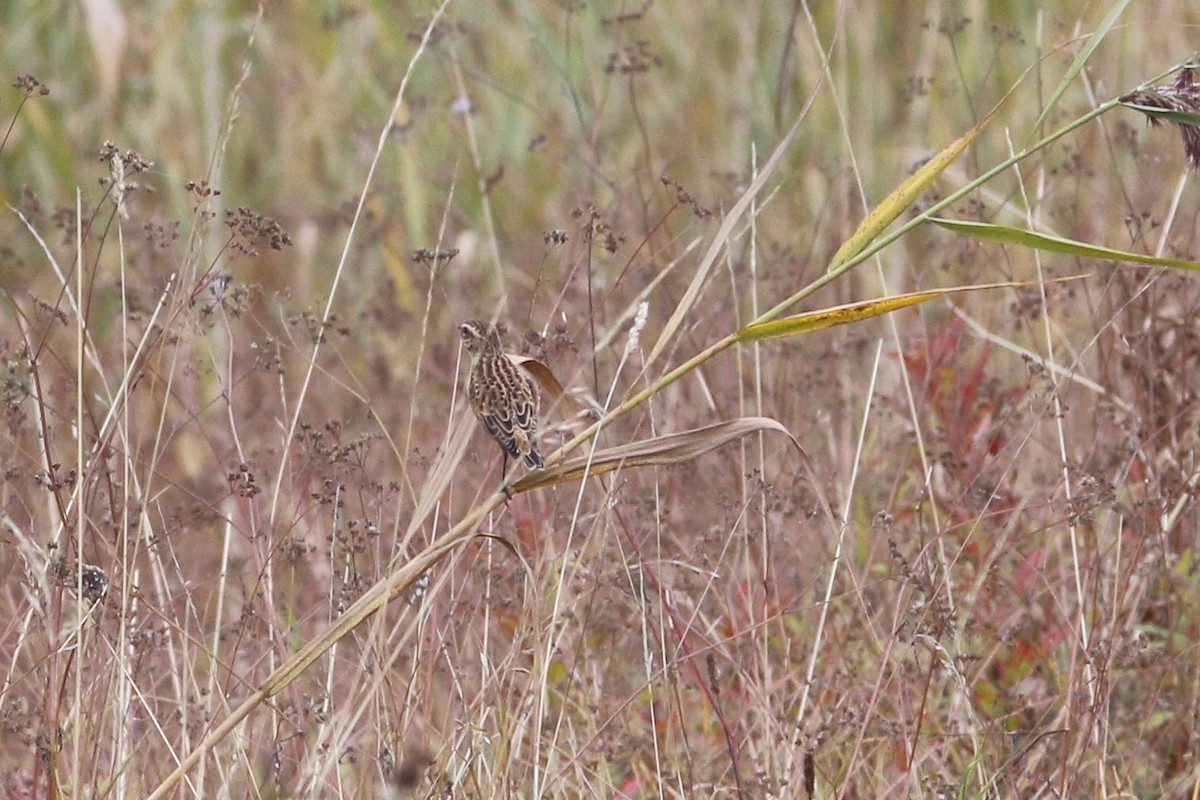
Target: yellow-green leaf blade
[
  {"x": 852, "y": 312},
  {"x": 903, "y": 196},
  {"x": 827, "y": 318}
]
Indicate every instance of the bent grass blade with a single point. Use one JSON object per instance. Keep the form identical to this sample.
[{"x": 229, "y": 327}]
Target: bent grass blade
[{"x": 1056, "y": 244}]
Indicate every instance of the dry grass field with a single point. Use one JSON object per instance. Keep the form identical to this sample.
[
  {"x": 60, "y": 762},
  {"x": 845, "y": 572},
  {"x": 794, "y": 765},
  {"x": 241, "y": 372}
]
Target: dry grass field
[{"x": 253, "y": 543}]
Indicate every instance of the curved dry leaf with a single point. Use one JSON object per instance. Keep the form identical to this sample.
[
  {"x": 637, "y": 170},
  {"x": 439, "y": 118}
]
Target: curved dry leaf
[
  {"x": 548, "y": 384},
  {"x": 552, "y": 391},
  {"x": 674, "y": 448}
]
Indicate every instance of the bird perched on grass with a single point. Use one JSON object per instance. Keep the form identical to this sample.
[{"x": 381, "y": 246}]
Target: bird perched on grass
[{"x": 502, "y": 396}]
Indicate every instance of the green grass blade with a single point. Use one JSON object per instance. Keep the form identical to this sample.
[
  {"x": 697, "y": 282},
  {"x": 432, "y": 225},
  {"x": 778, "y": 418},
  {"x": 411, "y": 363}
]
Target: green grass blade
[
  {"x": 1166, "y": 114},
  {"x": 1092, "y": 43},
  {"x": 1055, "y": 244}
]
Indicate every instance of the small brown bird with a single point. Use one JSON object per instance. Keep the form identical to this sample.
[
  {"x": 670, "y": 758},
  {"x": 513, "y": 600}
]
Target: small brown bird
[{"x": 502, "y": 396}]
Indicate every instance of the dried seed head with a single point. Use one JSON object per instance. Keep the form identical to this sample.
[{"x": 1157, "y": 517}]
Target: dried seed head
[
  {"x": 31, "y": 86},
  {"x": 1183, "y": 95},
  {"x": 249, "y": 230}
]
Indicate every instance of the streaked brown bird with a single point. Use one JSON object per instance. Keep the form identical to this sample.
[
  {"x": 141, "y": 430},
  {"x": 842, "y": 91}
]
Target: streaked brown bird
[{"x": 502, "y": 396}]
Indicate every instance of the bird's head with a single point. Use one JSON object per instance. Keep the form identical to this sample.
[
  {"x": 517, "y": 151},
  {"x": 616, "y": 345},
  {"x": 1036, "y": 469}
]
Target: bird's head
[{"x": 479, "y": 337}]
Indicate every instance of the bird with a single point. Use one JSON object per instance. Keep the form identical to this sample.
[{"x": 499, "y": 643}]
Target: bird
[{"x": 502, "y": 396}]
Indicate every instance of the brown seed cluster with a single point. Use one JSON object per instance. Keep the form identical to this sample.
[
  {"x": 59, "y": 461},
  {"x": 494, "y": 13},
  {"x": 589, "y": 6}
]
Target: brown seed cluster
[
  {"x": 1183, "y": 95},
  {"x": 250, "y": 230},
  {"x": 31, "y": 86}
]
